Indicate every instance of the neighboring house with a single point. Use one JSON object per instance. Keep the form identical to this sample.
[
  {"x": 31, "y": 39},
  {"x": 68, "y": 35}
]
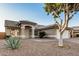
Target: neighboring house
[
  {"x": 75, "y": 31},
  {"x": 27, "y": 29}
]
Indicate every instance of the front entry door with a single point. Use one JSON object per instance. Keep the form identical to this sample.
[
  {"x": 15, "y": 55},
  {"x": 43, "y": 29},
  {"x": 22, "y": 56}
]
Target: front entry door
[{"x": 27, "y": 35}]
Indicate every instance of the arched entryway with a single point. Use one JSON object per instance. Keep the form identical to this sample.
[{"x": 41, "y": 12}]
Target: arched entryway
[{"x": 28, "y": 31}]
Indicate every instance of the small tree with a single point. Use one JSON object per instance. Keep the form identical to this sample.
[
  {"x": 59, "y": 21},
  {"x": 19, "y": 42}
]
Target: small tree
[{"x": 56, "y": 9}]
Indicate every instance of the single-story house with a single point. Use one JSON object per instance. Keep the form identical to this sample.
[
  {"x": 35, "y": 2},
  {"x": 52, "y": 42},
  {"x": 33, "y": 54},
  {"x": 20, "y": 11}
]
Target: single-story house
[{"x": 28, "y": 29}]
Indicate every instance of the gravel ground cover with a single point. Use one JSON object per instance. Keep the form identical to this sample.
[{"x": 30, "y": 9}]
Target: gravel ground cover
[{"x": 46, "y": 47}]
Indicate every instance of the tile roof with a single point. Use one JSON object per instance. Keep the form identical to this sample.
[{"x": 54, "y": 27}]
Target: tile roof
[
  {"x": 11, "y": 23},
  {"x": 16, "y": 23},
  {"x": 27, "y": 22},
  {"x": 54, "y": 26}
]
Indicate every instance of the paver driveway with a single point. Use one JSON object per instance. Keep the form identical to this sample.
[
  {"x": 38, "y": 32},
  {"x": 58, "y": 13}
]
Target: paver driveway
[{"x": 41, "y": 47}]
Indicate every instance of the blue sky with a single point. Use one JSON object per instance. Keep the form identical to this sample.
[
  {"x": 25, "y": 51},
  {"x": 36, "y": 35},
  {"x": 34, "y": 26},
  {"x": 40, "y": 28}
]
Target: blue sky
[{"x": 29, "y": 11}]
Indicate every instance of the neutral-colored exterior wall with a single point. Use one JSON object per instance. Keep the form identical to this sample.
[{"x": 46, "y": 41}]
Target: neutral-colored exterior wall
[
  {"x": 50, "y": 32},
  {"x": 27, "y": 32},
  {"x": 65, "y": 35},
  {"x": 7, "y": 31},
  {"x": 11, "y": 32},
  {"x": 55, "y": 33}
]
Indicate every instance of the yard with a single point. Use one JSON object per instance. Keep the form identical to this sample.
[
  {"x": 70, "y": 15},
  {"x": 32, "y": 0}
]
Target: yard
[{"x": 41, "y": 47}]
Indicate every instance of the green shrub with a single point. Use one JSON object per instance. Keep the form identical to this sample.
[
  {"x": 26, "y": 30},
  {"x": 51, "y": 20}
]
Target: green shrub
[
  {"x": 42, "y": 34},
  {"x": 13, "y": 42}
]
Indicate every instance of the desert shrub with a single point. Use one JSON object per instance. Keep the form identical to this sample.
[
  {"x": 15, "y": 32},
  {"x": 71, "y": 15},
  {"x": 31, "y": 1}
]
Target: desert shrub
[
  {"x": 13, "y": 42},
  {"x": 42, "y": 34}
]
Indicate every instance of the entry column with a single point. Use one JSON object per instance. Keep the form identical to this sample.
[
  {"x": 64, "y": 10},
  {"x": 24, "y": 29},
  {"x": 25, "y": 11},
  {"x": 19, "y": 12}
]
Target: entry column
[
  {"x": 33, "y": 32},
  {"x": 23, "y": 31}
]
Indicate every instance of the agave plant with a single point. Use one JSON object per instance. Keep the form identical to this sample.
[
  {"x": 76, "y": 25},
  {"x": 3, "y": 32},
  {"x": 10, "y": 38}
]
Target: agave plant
[{"x": 13, "y": 42}]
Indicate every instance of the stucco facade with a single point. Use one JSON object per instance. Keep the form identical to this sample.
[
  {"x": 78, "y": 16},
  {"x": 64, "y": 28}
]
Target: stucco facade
[
  {"x": 65, "y": 35},
  {"x": 27, "y": 29},
  {"x": 24, "y": 29},
  {"x": 54, "y": 33},
  {"x": 11, "y": 31}
]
